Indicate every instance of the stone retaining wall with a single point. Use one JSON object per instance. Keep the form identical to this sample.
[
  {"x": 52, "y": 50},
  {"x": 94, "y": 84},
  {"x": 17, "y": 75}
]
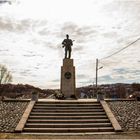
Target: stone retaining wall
[
  {"x": 127, "y": 113},
  {"x": 10, "y": 114}
]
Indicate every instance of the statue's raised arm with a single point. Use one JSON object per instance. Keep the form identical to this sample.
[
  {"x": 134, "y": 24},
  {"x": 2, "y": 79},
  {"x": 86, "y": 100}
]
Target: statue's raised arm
[{"x": 67, "y": 43}]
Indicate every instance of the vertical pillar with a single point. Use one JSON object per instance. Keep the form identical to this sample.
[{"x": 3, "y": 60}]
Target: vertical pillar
[{"x": 68, "y": 78}]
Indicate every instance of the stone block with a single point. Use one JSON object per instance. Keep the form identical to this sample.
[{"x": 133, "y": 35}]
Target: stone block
[
  {"x": 68, "y": 78},
  {"x": 34, "y": 96}
]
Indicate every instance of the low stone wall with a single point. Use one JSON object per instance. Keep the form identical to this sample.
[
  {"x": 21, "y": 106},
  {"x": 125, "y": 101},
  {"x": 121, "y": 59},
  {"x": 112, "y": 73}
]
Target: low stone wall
[
  {"x": 10, "y": 114},
  {"x": 127, "y": 113}
]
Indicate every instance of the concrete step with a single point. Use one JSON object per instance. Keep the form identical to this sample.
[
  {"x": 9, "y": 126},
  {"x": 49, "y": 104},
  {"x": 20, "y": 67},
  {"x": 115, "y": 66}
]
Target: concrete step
[
  {"x": 66, "y": 102},
  {"x": 67, "y": 110},
  {"x": 68, "y": 121},
  {"x": 68, "y": 107},
  {"x": 38, "y": 104},
  {"x": 53, "y": 105},
  {"x": 67, "y": 125},
  {"x": 68, "y": 130},
  {"x": 66, "y": 113},
  {"x": 69, "y": 117},
  {"x": 70, "y": 134}
]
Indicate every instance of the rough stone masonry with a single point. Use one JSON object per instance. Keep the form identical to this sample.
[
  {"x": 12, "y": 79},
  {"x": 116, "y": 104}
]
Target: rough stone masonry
[
  {"x": 10, "y": 114},
  {"x": 127, "y": 113}
]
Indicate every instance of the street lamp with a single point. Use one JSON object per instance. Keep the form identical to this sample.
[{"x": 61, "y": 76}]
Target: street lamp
[
  {"x": 97, "y": 73},
  {"x": 93, "y": 90}
]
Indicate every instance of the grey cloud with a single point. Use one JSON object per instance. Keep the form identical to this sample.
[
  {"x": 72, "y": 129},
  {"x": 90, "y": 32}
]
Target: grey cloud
[
  {"x": 123, "y": 71},
  {"x": 56, "y": 80},
  {"x": 33, "y": 55},
  {"x": 14, "y": 26},
  {"x": 30, "y": 52},
  {"x": 79, "y": 48},
  {"x": 36, "y": 67},
  {"x": 5, "y": 24},
  {"x": 54, "y": 46},
  {"x": 109, "y": 79},
  {"x": 44, "y": 31},
  {"x": 25, "y": 72},
  {"x": 39, "y": 64},
  {"x": 39, "y": 23},
  {"x": 41, "y": 27},
  {"x": 85, "y": 82},
  {"x": 46, "y": 43},
  {"x": 120, "y": 40},
  {"x": 123, "y": 5},
  {"x": 5, "y": 1},
  {"x": 110, "y": 62},
  {"x": 81, "y": 33},
  {"x": 33, "y": 75},
  {"x": 82, "y": 76},
  {"x": 127, "y": 9},
  {"x": 4, "y": 50},
  {"x": 4, "y": 53},
  {"x": 125, "y": 75},
  {"x": 29, "y": 55},
  {"x": 36, "y": 41},
  {"x": 110, "y": 34},
  {"x": 105, "y": 78},
  {"x": 135, "y": 72}
]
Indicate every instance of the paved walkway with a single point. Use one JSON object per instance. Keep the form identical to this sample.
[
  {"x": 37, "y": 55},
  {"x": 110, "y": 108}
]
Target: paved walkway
[{"x": 123, "y": 135}]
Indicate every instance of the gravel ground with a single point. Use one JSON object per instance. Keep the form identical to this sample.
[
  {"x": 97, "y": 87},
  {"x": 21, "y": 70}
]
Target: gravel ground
[
  {"x": 127, "y": 113},
  {"x": 10, "y": 114}
]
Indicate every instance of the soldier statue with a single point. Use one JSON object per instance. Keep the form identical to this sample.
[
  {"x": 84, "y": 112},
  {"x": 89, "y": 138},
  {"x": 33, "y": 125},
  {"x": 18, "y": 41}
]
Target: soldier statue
[{"x": 67, "y": 43}]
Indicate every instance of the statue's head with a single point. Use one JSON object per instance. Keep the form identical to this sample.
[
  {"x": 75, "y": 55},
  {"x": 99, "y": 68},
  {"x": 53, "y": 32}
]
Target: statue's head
[{"x": 67, "y": 36}]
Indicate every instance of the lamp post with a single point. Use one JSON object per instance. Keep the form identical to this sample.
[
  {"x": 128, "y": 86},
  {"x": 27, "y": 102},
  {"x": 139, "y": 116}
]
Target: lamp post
[
  {"x": 97, "y": 73},
  {"x": 99, "y": 96},
  {"x": 93, "y": 89}
]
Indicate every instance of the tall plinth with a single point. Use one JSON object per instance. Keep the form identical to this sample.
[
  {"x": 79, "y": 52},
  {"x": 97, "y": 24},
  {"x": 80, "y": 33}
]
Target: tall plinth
[{"x": 68, "y": 78}]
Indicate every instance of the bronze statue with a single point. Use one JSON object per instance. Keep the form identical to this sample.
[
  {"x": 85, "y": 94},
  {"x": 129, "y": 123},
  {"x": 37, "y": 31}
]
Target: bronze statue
[{"x": 67, "y": 43}]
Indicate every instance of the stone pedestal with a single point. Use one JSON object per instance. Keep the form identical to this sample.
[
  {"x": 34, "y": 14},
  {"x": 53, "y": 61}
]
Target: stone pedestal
[
  {"x": 34, "y": 96},
  {"x": 68, "y": 78},
  {"x": 100, "y": 96}
]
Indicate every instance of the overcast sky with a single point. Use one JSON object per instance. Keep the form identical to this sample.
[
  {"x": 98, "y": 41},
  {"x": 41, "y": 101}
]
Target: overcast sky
[{"x": 31, "y": 33}]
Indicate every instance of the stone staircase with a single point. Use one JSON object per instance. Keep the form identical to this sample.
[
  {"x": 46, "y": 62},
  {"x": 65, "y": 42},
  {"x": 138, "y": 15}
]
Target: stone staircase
[{"x": 65, "y": 117}]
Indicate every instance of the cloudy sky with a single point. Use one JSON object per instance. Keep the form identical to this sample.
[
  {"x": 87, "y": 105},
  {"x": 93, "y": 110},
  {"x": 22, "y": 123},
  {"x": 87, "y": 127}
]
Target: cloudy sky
[{"x": 31, "y": 33}]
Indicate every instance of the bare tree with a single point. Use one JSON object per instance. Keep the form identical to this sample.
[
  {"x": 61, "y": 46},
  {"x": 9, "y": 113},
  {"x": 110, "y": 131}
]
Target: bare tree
[{"x": 5, "y": 75}]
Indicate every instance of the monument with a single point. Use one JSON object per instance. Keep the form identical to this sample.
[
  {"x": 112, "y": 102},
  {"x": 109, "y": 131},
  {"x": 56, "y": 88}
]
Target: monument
[{"x": 68, "y": 71}]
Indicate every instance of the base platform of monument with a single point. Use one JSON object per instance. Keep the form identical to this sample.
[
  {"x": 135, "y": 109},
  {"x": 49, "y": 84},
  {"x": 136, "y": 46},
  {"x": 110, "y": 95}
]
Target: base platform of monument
[{"x": 67, "y": 117}]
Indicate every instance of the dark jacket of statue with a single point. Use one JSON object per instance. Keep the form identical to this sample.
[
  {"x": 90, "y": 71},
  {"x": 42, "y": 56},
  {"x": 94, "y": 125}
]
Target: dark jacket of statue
[{"x": 67, "y": 43}]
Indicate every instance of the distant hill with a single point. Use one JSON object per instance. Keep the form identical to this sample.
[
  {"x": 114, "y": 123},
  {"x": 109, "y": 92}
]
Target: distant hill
[
  {"x": 118, "y": 90},
  {"x": 24, "y": 91}
]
